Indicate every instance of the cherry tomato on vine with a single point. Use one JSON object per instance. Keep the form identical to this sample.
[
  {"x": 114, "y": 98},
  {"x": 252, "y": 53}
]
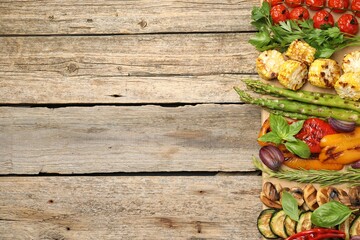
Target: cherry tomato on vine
[
  {"x": 338, "y": 6},
  {"x": 315, "y": 4},
  {"x": 294, "y": 3},
  {"x": 274, "y": 2},
  {"x": 348, "y": 23},
  {"x": 313, "y": 130},
  {"x": 322, "y": 18},
  {"x": 299, "y": 13},
  {"x": 355, "y": 6},
  {"x": 279, "y": 13}
]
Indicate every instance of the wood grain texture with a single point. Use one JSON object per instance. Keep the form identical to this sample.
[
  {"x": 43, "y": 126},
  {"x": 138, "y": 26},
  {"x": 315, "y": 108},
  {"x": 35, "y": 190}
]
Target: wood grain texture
[
  {"x": 128, "y": 139},
  {"x": 123, "y": 17},
  {"x": 213, "y": 207},
  {"x": 123, "y": 69}
]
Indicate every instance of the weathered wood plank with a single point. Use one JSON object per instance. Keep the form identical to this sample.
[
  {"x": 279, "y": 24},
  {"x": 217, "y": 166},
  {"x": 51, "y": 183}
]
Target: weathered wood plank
[
  {"x": 150, "y": 68},
  {"x": 128, "y": 139},
  {"x": 123, "y": 17},
  {"x": 217, "y": 207}
]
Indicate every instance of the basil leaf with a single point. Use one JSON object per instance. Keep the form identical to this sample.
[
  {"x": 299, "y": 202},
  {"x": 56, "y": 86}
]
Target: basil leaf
[
  {"x": 290, "y": 206},
  {"x": 295, "y": 127},
  {"x": 298, "y": 148},
  {"x": 279, "y": 125},
  {"x": 270, "y": 137},
  {"x": 290, "y": 138},
  {"x": 330, "y": 214}
]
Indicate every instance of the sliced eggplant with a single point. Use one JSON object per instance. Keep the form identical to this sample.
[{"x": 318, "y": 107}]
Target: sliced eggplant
[
  {"x": 263, "y": 223},
  {"x": 345, "y": 226}
]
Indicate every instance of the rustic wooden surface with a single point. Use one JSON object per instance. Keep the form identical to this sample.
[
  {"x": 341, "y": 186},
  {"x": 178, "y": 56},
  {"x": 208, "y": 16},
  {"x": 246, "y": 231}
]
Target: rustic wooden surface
[{"x": 118, "y": 120}]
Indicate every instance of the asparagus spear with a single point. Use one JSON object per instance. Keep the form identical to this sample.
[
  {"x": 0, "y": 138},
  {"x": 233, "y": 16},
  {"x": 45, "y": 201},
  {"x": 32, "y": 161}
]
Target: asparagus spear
[
  {"x": 299, "y": 107},
  {"x": 325, "y": 99},
  {"x": 291, "y": 115}
]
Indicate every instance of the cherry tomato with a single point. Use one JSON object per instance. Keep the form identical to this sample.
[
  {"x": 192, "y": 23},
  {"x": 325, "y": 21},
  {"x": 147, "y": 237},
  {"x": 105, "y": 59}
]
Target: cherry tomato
[
  {"x": 299, "y": 13},
  {"x": 294, "y": 3},
  {"x": 274, "y": 2},
  {"x": 338, "y": 6},
  {"x": 315, "y": 4},
  {"x": 355, "y": 6},
  {"x": 348, "y": 23},
  {"x": 313, "y": 130},
  {"x": 279, "y": 13},
  {"x": 323, "y": 17}
]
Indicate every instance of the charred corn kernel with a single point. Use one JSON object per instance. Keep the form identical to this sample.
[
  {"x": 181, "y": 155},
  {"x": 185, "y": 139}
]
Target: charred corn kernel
[
  {"x": 293, "y": 74},
  {"x": 324, "y": 73},
  {"x": 348, "y": 86},
  {"x": 351, "y": 62},
  {"x": 268, "y": 64},
  {"x": 301, "y": 51}
]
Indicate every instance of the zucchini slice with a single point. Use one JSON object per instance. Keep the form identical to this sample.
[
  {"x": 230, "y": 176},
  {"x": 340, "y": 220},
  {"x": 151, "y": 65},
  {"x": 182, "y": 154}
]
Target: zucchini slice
[
  {"x": 355, "y": 227},
  {"x": 345, "y": 226},
  {"x": 277, "y": 224},
  {"x": 263, "y": 223},
  {"x": 304, "y": 222},
  {"x": 290, "y": 226}
]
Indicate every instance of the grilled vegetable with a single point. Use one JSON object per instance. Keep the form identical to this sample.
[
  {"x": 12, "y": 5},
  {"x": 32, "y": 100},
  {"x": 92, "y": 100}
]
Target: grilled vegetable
[
  {"x": 341, "y": 126},
  {"x": 301, "y": 51},
  {"x": 277, "y": 224},
  {"x": 263, "y": 224},
  {"x": 293, "y": 74},
  {"x": 290, "y": 226},
  {"x": 324, "y": 99},
  {"x": 310, "y": 197},
  {"x": 348, "y": 86},
  {"x": 268, "y": 64},
  {"x": 304, "y": 222},
  {"x": 355, "y": 227},
  {"x": 324, "y": 73},
  {"x": 345, "y": 226},
  {"x": 351, "y": 62},
  {"x": 298, "y": 107},
  {"x": 341, "y": 148}
]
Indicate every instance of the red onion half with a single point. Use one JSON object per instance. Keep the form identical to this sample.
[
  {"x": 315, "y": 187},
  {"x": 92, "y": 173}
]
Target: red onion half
[
  {"x": 356, "y": 164},
  {"x": 341, "y": 126},
  {"x": 272, "y": 157}
]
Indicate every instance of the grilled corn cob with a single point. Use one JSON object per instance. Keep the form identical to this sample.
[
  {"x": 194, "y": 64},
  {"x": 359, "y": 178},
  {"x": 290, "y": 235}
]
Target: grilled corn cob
[
  {"x": 348, "y": 86},
  {"x": 268, "y": 64},
  {"x": 351, "y": 62},
  {"x": 301, "y": 51},
  {"x": 324, "y": 73},
  {"x": 293, "y": 74}
]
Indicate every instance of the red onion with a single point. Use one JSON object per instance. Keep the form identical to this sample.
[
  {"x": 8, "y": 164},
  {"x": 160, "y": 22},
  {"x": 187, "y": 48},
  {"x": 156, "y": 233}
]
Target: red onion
[
  {"x": 341, "y": 126},
  {"x": 356, "y": 164},
  {"x": 355, "y": 237},
  {"x": 272, "y": 157}
]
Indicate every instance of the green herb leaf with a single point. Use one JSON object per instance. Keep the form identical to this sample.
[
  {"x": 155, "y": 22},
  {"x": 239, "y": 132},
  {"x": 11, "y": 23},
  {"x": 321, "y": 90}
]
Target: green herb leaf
[
  {"x": 290, "y": 206},
  {"x": 270, "y": 137},
  {"x": 279, "y": 126},
  {"x": 299, "y": 148},
  {"x": 295, "y": 127},
  {"x": 330, "y": 214}
]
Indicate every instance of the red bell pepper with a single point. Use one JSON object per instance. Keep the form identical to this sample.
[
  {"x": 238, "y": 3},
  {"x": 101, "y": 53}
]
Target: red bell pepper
[{"x": 317, "y": 234}]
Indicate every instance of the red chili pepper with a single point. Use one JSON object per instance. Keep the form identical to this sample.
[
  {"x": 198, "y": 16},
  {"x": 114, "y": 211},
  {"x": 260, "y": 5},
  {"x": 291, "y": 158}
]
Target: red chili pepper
[{"x": 317, "y": 234}]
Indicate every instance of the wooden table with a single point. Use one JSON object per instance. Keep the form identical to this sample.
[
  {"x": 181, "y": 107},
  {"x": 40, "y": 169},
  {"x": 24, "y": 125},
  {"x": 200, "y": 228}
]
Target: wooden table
[{"x": 118, "y": 120}]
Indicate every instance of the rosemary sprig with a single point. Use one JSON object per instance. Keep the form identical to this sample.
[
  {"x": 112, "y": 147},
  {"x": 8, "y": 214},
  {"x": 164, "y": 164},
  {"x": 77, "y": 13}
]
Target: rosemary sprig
[{"x": 350, "y": 176}]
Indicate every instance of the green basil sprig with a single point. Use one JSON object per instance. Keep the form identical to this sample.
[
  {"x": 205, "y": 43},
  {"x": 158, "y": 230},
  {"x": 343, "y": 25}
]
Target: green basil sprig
[
  {"x": 283, "y": 133},
  {"x": 330, "y": 214},
  {"x": 290, "y": 206}
]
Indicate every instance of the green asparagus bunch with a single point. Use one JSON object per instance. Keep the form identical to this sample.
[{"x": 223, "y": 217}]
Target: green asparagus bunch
[
  {"x": 324, "y": 99},
  {"x": 302, "y": 110}
]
